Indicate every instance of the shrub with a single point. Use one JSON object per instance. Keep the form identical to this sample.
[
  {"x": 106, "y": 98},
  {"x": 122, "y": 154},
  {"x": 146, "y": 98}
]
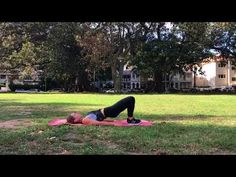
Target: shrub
[{"x": 14, "y": 87}]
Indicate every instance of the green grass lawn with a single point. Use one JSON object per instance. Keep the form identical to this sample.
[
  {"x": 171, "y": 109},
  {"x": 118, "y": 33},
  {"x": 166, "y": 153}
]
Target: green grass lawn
[{"x": 184, "y": 124}]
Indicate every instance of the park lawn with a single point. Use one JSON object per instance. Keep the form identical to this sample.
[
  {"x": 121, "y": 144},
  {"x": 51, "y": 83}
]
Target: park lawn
[{"x": 184, "y": 124}]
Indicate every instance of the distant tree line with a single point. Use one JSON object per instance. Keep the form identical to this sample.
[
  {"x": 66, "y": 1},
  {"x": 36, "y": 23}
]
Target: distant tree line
[{"x": 72, "y": 54}]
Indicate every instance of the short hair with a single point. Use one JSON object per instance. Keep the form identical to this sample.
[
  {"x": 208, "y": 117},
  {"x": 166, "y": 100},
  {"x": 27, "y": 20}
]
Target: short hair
[{"x": 70, "y": 119}]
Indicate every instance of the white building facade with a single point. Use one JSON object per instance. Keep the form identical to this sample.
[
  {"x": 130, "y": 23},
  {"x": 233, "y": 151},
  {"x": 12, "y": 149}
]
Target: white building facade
[
  {"x": 131, "y": 78},
  {"x": 218, "y": 73}
]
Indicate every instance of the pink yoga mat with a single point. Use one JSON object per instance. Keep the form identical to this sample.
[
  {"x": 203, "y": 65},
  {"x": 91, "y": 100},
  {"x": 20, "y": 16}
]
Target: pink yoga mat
[
  {"x": 120, "y": 123},
  {"x": 123, "y": 123}
]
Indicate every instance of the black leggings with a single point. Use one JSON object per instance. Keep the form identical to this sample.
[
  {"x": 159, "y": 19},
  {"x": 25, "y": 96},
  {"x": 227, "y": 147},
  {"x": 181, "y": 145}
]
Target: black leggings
[{"x": 126, "y": 103}]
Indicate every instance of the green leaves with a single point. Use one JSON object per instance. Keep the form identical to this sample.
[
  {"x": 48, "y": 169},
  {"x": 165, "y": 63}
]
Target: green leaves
[
  {"x": 223, "y": 36},
  {"x": 72, "y": 52},
  {"x": 173, "y": 48}
]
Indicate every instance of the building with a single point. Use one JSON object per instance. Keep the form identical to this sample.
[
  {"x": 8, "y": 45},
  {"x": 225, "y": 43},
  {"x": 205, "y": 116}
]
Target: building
[
  {"x": 131, "y": 78},
  {"x": 5, "y": 81},
  {"x": 6, "y": 78},
  {"x": 216, "y": 72},
  {"x": 182, "y": 80}
]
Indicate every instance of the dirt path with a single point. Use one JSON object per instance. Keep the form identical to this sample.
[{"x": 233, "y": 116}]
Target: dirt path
[{"x": 16, "y": 123}]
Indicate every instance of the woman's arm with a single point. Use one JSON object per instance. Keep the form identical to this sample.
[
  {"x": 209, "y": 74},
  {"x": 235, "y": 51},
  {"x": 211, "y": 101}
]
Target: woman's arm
[
  {"x": 77, "y": 124},
  {"x": 108, "y": 120},
  {"x": 88, "y": 121}
]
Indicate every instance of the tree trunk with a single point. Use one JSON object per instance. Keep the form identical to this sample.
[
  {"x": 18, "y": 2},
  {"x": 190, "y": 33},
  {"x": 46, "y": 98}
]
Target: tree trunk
[
  {"x": 194, "y": 79},
  {"x": 7, "y": 83},
  {"x": 114, "y": 76},
  {"x": 158, "y": 78},
  {"x": 165, "y": 79},
  {"x": 194, "y": 76},
  {"x": 83, "y": 82},
  {"x": 119, "y": 81},
  {"x": 76, "y": 84}
]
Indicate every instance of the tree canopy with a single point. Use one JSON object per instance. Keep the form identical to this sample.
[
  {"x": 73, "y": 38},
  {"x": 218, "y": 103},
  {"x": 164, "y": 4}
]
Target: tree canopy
[{"x": 71, "y": 53}]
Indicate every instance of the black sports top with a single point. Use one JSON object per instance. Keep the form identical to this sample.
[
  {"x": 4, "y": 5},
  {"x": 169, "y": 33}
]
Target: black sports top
[{"x": 97, "y": 115}]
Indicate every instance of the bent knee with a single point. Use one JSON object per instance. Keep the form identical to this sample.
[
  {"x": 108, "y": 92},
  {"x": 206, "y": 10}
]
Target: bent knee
[{"x": 132, "y": 98}]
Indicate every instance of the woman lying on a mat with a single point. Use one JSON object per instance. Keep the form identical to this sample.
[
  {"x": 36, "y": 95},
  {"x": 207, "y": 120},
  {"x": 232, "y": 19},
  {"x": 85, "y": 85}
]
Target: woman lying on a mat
[{"x": 97, "y": 117}]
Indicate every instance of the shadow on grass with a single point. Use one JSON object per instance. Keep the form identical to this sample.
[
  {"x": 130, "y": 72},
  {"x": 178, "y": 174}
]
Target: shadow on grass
[
  {"x": 206, "y": 94},
  {"x": 170, "y": 117},
  {"x": 160, "y": 139},
  {"x": 16, "y": 102},
  {"x": 174, "y": 138},
  {"x": 13, "y": 109}
]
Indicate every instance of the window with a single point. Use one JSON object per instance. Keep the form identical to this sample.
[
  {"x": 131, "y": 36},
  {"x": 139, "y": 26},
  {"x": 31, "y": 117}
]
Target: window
[
  {"x": 2, "y": 76},
  {"x": 233, "y": 67},
  {"x": 128, "y": 85},
  {"x": 221, "y": 76},
  {"x": 125, "y": 78},
  {"x": 133, "y": 85},
  {"x": 176, "y": 85},
  {"x": 188, "y": 75},
  {"x": 182, "y": 85},
  {"x": 233, "y": 78},
  {"x": 221, "y": 65},
  {"x": 188, "y": 85}
]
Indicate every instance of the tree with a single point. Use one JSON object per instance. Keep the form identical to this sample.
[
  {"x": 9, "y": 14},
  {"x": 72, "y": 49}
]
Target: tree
[
  {"x": 195, "y": 46},
  {"x": 169, "y": 49},
  {"x": 66, "y": 64},
  {"x": 120, "y": 41},
  {"x": 94, "y": 50},
  {"x": 19, "y": 54},
  {"x": 223, "y": 36}
]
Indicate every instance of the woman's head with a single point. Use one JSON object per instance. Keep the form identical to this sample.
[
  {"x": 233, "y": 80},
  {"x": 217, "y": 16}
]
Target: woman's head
[{"x": 74, "y": 118}]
